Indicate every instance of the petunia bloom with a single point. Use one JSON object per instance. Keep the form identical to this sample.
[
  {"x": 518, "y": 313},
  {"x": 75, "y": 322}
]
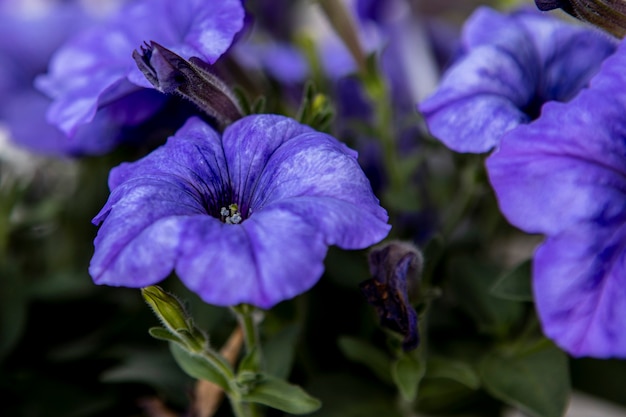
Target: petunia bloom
[
  {"x": 245, "y": 217},
  {"x": 28, "y": 37},
  {"x": 509, "y": 66},
  {"x": 564, "y": 176},
  {"x": 93, "y": 78}
]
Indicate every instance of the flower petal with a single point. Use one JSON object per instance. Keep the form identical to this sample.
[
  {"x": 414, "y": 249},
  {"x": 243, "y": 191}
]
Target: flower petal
[
  {"x": 580, "y": 289},
  {"x": 144, "y": 215},
  {"x": 509, "y": 69},
  {"x": 95, "y": 67},
  {"x": 137, "y": 244},
  {"x": 320, "y": 179},
  {"x": 567, "y": 166},
  {"x": 564, "y": 175},
  {"x": 270, "y": 257},
  {"x": 248, "y": 145}
]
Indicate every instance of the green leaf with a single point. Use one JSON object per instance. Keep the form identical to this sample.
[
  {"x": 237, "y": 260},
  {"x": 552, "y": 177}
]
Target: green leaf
[
  {"x": 364, "y": 353},
  {"x": 470, "y": 283},
  {"x": 153, "y": 368},
  {"x": 200, "y": 367},
  {"x": 13, "y": 308},
  {"x": 162, "y": 333},
  {"x": 535, "y": 380},
  {"x": 407, "y": 372},
  {"x": 278, "y": 352},
  {"x": 456, "y": 370},
  {"x": 280, "y": 394},
  {"x": 250, "y": 362},
  {"x": 515, "y": 285}
]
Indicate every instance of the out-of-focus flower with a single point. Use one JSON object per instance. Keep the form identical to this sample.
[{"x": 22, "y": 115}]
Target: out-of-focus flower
[
  {"x": 564, "y": 176},
  {"x": 29, "y": 34},
  {"x": 93, "y": 79},
  {"x": 511, "y": 64},
  {"x": 242, "y": 218},
  {"x": 396, "y": 268}
]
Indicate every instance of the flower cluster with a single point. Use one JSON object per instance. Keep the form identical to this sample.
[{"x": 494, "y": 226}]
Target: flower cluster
[
  {"x": 290, "y": 192},
  {"x": 554, "y": 112},
  {"x": 258, "y": 156}
]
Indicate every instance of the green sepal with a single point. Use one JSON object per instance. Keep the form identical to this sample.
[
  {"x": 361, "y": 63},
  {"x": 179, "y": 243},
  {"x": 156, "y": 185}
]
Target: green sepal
[
  {"x": 167, "y": 308},
  {"x": 281, "y": 395},
  {"x": 515, "y": 285},
  {"x": 161, "y": 333},
  {"x": 279, "y": 351},
  {"x": 202, "y": 367},
  {"x": 535, "y": 380},
  {"x": 407, "y": 372}
]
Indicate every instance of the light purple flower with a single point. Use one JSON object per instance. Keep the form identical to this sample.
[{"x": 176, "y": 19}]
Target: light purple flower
[
  {"x": 296, "y": 192},
  {"x": 28, "y": 37},
  {"x": 95, "y": 69},
  {"x": 511, "y": 64},
  {"x": 564, "y": 176}
]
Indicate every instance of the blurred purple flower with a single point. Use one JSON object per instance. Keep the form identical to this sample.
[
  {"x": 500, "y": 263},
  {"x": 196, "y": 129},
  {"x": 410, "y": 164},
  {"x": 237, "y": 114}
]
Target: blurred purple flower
[
  {"x": 28, "y": 37},
  {"x": 510, "y": 65},
  {"x": 93, "y": 78},
  {"x": 564, "y": 176},
  {"x": 242, "y": 218}
]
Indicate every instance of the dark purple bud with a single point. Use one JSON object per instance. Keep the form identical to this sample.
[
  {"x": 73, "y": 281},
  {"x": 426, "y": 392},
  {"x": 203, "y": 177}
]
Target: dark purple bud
[
  {"x": 546, "y": 5},
  {"x": 609, "y": 15},
  {"x": 172, "y": 74},
  {"x": 395, "y": 268}
]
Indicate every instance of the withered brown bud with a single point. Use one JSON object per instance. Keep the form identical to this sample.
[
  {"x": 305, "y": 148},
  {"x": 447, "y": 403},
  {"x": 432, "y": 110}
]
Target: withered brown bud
[
  {"x": 609, "y": 15},
  {"x": 172, "y": 74},
  {"x": 396, "y": 268}
]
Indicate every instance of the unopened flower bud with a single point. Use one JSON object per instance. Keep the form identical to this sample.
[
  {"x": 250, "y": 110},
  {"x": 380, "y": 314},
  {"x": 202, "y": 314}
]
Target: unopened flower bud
[
  {"x": 609, "y": 15},
  {"x": 168, "y": 309},
  {"x": 170, "y": 73}
]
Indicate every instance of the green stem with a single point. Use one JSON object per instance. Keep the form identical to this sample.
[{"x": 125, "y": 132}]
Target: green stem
[
  {"x": 464, "y": 199},
  {"x": 240, "y": 409},
  {"x": 245, "y": 315}
]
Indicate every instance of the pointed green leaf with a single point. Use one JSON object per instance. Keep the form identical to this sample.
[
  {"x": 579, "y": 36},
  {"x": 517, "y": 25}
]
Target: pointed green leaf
[
  {"x": 407, "y": 372},
  {"x": 536, "y": 381},
  {"x": 13, "y": 308},
  {"x": 470, "y": 282},
  {"x": 278, "y": 352},
  {"x": 162, "y": 333},
  {"x": 515, "y": 285},
  {"x": 368, "y": 355},
  {"x": 201, "y": 367},
  {"x": 280, "y": 394}
]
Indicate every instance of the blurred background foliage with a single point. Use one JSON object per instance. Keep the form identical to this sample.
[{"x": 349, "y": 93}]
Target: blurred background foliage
[{"x": 73, "y": 349}]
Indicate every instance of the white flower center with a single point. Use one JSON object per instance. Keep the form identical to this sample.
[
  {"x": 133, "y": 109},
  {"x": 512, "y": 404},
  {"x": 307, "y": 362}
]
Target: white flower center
[{"x": 231, "y": 214}]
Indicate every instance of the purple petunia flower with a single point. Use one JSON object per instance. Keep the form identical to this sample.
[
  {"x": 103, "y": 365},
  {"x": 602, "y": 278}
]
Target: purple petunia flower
[
  {"x": 510, "y": 65},
  {"x": 93, "y": 77},
  {"x": 564, "y": 176},
  {"x": 245, "y": 217},
  {"x": 28, "y": 37}
]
